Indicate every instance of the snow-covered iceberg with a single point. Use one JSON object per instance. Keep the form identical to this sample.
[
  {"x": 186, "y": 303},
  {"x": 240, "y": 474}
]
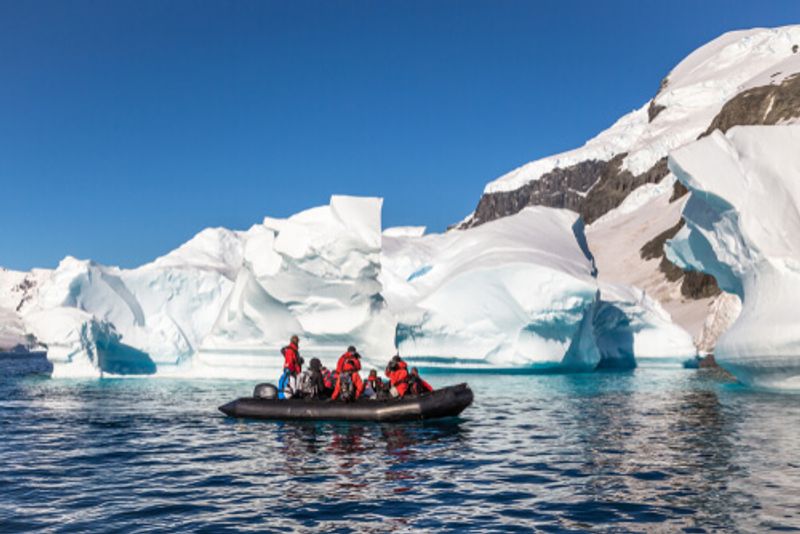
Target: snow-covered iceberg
[
  {"x": 518, "y": 292},
  {"x": 221, "y": 304},
  {"x": 510, "y": 293},
  {"x": 743, "y": 227},
  {"x": 314, "y": 274}
]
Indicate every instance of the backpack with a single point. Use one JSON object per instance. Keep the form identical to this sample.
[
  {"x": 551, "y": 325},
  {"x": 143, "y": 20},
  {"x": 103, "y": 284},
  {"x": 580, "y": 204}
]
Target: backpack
[
  {"x": 307, "y": 385},
  {"x": 347, "y": 390}
]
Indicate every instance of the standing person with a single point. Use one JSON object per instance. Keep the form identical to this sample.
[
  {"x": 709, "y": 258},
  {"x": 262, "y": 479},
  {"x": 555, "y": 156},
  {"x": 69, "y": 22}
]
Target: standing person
[
  {"x": 292, "y": 366},
  {"x": 397, "y": 371},
  {"x": 416, "y": 385},
  {"x": 349, "y": 385}
]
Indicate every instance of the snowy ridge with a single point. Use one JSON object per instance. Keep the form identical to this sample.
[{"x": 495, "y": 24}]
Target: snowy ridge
[{"x": 694, "y": 93}]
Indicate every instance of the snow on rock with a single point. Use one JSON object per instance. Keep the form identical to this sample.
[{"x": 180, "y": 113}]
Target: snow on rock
[
  {"x": 692, "y": 94},
  {"x": 743, "y": 223}
]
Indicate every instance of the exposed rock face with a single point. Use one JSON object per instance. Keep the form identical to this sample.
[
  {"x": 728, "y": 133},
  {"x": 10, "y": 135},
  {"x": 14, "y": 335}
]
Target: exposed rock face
[
  {"x": 561, "y": 188},
  {"x": 615, "y": 185},
  {"x": 592, "y": 188},
  {"x": 654, "y": 109},
  {"x": 695, "y": 285},
  {"x": 768, "y": 104}
]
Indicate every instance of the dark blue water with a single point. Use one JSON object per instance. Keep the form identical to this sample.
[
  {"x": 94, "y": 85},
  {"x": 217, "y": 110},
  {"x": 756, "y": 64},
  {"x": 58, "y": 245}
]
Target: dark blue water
[{"x": 652, "y": 450}]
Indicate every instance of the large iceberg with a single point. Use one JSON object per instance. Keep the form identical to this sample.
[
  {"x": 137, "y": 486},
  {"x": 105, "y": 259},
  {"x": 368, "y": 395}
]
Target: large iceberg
[
  {"x": 518, "y": 292},
  {"x": 314, "y": 274},
  {"x": 222, "y": 304},
  {"x": 743, "y": 223}
]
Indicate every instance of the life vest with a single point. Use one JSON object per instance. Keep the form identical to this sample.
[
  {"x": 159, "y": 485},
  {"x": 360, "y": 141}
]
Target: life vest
[
  {"x": 348, "y": 363},
  {"x": 347, "y": 389},
  {"x": 291, "y": 359}
]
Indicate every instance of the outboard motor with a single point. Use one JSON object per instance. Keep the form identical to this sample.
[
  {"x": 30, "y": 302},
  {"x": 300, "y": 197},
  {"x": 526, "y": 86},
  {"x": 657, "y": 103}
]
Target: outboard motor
[{"x": 265, "y": 391}]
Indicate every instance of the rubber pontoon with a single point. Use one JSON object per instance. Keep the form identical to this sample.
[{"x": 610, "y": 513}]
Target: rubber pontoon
[{"x": 445, "y": 402}]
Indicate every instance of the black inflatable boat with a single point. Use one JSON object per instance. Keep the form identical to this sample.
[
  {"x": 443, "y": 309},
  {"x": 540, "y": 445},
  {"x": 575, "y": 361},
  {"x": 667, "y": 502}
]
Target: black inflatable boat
[{"x": 445, "y": 402}]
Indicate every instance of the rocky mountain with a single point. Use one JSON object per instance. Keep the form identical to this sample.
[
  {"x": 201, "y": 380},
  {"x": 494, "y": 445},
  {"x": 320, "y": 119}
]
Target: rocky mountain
[{"x": 620, "y": 182}]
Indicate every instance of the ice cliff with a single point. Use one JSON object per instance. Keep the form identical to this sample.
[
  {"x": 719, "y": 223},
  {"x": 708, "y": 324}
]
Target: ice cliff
[{"x": 743, "y": 227}]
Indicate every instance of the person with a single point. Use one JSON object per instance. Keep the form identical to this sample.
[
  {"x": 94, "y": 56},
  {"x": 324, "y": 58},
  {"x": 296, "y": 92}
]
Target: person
[
  {"x": 351, "y": 358},
  {"x": 311, "y": 384},
  {"x": 328, "y": 380},
  {"x": 292, "y": 367},
  {"x": 349, "y": 385},
  {"x": 374, "y": 385},
  {"x": 416, "y": 385},
  {"x": 397, "y": 371}
]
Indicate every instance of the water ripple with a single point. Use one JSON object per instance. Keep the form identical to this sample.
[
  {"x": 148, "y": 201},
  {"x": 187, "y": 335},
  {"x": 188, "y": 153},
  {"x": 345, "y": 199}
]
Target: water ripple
[{"x": 652, "y": 450}]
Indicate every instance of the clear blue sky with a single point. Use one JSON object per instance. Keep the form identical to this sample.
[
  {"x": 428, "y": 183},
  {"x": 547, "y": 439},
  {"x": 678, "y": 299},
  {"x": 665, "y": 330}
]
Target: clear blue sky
[{"x": 127, "y": 127}]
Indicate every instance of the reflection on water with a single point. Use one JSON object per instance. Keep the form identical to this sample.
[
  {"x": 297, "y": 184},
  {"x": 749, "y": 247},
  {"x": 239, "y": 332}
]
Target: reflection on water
[{"x": 641, "y": 451}]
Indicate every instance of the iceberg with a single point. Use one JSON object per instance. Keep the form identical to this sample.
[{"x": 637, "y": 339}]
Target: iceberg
[
  {"x": 743, "y": 222},
  {"x": 517, "y": 292},
  {"x": 315, "y": 274}
]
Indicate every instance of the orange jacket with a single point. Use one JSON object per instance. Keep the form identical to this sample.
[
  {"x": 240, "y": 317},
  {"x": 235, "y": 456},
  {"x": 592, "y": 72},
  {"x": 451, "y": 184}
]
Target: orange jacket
[
  {"x": 419, "y": 386},
  {"x": 348, "y": 363},
  {"x": 291, "y": 358},
  {"x": 399, "y": 378}
]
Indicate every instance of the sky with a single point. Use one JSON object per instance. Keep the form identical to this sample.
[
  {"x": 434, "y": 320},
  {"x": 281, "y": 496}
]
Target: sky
[{"x": 126, "y": 127}]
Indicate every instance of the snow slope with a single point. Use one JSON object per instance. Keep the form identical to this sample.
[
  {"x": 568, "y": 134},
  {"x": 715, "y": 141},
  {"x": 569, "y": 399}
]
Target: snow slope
[
  {"x": 743, "y": 223},
  {"x": 692, "y": 94}
]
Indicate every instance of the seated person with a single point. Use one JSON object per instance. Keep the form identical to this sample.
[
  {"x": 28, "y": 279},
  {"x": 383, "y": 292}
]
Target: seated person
[
  {"x": 349, "y": 385},
  {"x": 311, "y": 383},
  {"x": 398, "y": 376},
  {"x": 416, "y": 385},
  {"x": 374, "y": 385}
]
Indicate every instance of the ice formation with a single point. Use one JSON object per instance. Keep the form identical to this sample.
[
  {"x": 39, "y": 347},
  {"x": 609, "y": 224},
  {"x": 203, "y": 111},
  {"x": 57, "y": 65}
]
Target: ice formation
[
  {"x": 222, "y": 304},
  {"x": 519, "y": 292},
  {"x": 743, "y": 223},
  {"x": 314, "y": 274}
]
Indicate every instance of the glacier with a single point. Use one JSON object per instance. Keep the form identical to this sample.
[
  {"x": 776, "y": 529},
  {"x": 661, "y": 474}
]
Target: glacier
[{"x": 743, "y": 223}]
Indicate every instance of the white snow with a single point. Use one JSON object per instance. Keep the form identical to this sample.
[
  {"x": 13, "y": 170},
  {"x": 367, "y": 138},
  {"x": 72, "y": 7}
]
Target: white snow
[
  {"x": 518, "y": 292},
  {"x": 317, "y": 277},
  {"x": 509, "y": 293},
  {"x": 696, "y": 90},
  {"x": 744, "y": 222}
]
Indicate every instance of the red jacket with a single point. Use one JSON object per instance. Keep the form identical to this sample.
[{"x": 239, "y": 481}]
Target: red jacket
[
  {"x": 348, "y": 363},
  {"x": 291, "y": 358},
  {"x": 399, "y": 378},
  {"x": 419, "y": 386}
]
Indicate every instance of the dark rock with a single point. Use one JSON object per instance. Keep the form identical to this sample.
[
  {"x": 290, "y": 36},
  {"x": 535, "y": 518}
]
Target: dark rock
[
  {"x": 559, "y": 188},
  {"x": 654, "y": 248},
  {"x": 615, "y": 184},
  {"x": 768, "y": 104},
  {"x": 653, "y": 110},
  {"x": 695, "y": 285},
  {"x": 678, "y": 190}
]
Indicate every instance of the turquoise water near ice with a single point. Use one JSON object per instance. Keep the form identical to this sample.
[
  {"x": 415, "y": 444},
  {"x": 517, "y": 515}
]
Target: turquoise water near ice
[{"x": 651, "y": 450}]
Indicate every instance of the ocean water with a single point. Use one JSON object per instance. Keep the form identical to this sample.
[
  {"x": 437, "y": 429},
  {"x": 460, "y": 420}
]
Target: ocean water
[{"x": 653, "y": 450}]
